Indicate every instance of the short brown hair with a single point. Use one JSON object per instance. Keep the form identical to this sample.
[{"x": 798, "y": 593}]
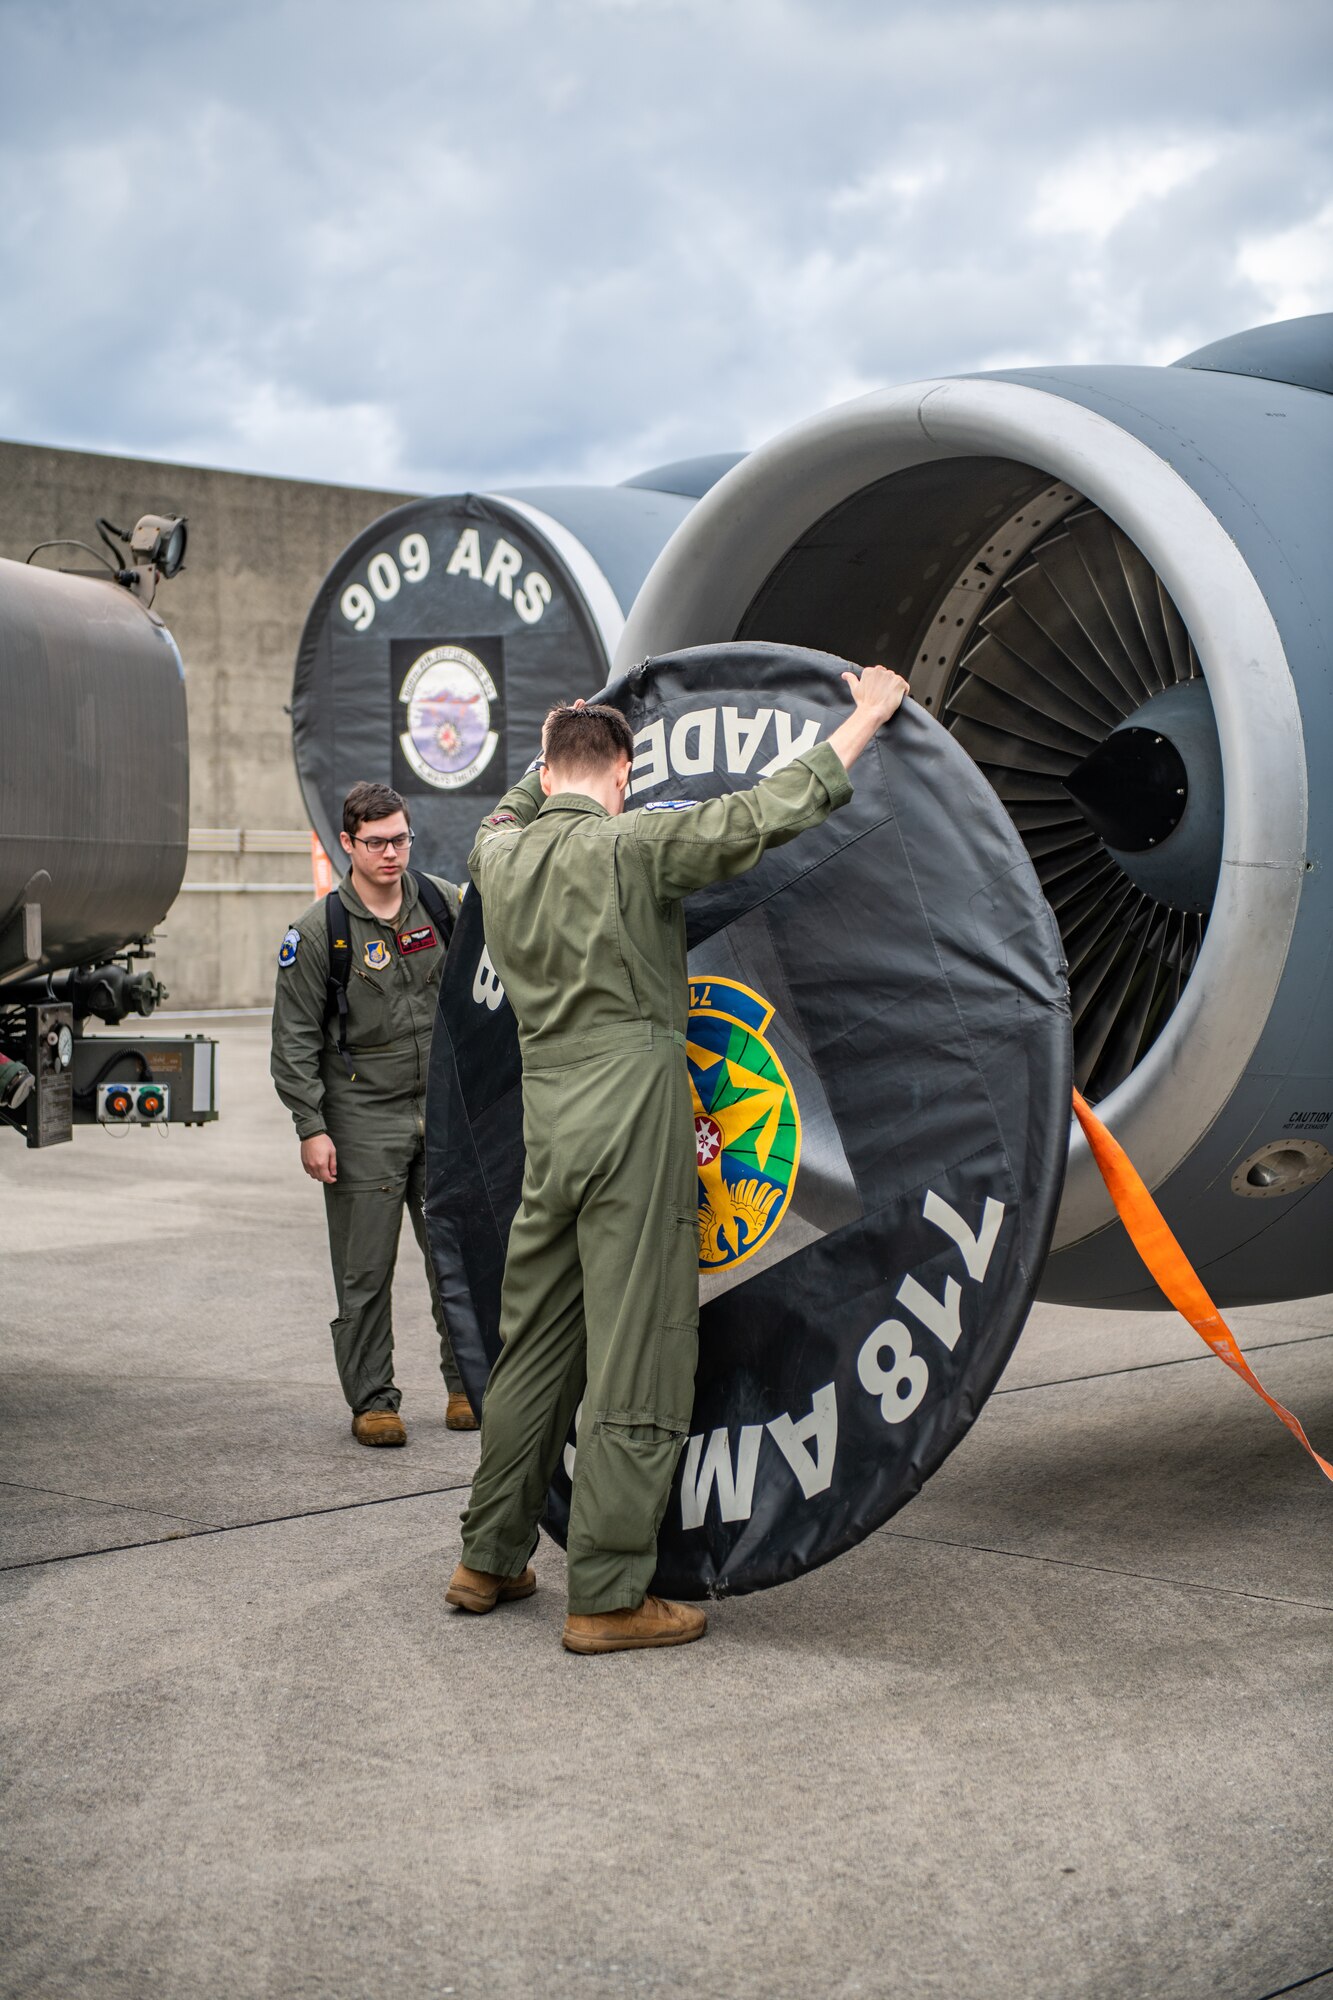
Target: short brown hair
[
  {"x": 370, "y": 801},
  {"x": 580, "y": 740}
]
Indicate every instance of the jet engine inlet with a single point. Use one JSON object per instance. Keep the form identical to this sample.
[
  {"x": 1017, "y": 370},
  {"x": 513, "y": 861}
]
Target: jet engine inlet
[
  {"x": 1048, "y": 652},
  {"x": 1106, "y": 583},
  {"x": 1055, "y": 684}
]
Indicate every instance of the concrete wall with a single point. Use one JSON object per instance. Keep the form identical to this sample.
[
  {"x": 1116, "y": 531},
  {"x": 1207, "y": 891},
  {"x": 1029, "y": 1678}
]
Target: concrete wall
[{"x": 258, "y": 551}]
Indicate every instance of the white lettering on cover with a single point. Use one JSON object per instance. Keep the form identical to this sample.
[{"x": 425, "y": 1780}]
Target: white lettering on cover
[
  {"x": 709, "y": 1466},
  {"x": 976, "y": 1248},
  {"x": 814, "y": 1473}
]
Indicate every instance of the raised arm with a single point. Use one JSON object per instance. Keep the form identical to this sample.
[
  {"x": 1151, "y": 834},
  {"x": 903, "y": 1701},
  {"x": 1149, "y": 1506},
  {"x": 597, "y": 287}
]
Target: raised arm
[
  {"x": 517, "y": 809},
  {"x": 877, "y": 694},
  {"x": 686, "y": 847}
]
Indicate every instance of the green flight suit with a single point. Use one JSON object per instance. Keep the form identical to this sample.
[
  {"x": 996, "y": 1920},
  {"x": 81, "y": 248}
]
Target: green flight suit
[
  {"x": 376, "y": 1119},
  {"x": 600, "y": 1300}
]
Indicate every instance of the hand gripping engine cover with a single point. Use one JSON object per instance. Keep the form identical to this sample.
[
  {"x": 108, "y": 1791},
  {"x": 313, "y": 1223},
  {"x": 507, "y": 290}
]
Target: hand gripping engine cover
[{"x": 880, "y": 1063}]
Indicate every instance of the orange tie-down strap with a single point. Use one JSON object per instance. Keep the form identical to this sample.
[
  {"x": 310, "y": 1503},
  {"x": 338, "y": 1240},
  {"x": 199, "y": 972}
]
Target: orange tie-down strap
[{"x": 1170, "y": 1267}]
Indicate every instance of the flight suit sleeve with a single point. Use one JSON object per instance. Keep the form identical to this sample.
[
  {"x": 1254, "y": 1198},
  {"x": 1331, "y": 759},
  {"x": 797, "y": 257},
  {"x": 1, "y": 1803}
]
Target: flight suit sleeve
[
  {"x": 518, "y": 808},
  {"x": 298, "y": 1023},
  {"x": 687, "y": 847}
]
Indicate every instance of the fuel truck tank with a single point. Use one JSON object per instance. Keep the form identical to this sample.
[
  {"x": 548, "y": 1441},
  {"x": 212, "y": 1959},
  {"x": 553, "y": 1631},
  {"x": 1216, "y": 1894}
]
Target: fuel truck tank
[
  {"x": 445, "y": 631},
  {"x": 94, "y": 812},
  {"x": 1112, "y": 585},
  {"x": 94, "y": 771}
]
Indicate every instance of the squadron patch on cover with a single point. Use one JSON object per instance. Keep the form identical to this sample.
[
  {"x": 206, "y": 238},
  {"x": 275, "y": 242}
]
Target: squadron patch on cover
[
  {"x": 288, "y": 948},
  {"x": 747, "y": 1129},
  {"x": 449, "y": 698},
  {"x": 377, "y": 954}
]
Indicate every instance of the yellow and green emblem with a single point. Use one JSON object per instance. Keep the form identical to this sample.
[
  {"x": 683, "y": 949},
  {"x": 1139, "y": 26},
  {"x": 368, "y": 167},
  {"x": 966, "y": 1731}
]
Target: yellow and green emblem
[{"x": 747, "y": 1129}]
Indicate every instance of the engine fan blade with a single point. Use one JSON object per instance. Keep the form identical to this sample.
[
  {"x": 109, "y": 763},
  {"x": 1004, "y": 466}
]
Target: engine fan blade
[
  {"x": 1034, "y": 590},
  {"x": 1025, "y": 787},
  {"x": 1031, "y": 817},
  {"x": 991, "y": 661},
  {"x": 1040, "y": 842},
  {"x": 995, "y": 746},
  {"x": 1096, "y": 1016},
  {"x": 1177, "y": 638},
  {"x": 1010, "y": 623},
  {"x": 1141, "y": 579},
  {"x": 1124, "y": 1044},
  {"x": 980, "y": 701},
  {"x": 1095, "y": 539},
  {"x": 1088, "y": 921},
  {"x": 1062, "y": 885},
  {"x": 1062, "y": 561}
]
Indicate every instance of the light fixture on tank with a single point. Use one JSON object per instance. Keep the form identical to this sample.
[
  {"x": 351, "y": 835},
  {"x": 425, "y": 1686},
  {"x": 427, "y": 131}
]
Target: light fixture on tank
[{"x": 159, "y": 539}]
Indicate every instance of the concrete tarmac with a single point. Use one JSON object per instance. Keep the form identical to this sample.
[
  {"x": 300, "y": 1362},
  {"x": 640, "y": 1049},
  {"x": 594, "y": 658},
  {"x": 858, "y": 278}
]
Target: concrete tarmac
[{"x": 1060, "y": 1729}]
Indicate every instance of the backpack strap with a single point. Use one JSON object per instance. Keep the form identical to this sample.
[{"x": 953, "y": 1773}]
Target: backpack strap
[
  {"x": 340, "y": 972},
  {"x": 340, "y": 953},
  {"x": 436, "y": 908}
]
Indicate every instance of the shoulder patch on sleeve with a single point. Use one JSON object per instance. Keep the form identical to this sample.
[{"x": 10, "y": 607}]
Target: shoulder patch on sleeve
[
  {"x": 668, "y": 805},
  {"x": 289, "y": 947}
]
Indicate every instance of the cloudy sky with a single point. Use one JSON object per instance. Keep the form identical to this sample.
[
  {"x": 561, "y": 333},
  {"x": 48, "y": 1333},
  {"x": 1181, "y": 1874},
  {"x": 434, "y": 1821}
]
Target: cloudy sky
[{"x": 428, "y": 244}]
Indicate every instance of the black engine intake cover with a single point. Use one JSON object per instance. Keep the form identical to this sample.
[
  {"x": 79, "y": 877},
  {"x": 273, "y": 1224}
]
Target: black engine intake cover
[{"x": 879, "y": 1046}]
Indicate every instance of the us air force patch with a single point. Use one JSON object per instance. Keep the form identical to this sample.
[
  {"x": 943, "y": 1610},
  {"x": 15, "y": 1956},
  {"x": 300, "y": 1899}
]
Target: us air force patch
[
  {"x": 747, "y": 1128},
  {"x": 377, "y": 954},
  {"x": 288, "y": 948}
]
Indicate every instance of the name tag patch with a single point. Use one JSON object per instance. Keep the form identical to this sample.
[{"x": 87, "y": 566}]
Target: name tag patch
[{"x": 418, "y": 940}]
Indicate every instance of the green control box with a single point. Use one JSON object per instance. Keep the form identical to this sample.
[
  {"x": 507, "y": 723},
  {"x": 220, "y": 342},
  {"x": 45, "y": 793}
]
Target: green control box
[{"x": 145, "y": 1080}]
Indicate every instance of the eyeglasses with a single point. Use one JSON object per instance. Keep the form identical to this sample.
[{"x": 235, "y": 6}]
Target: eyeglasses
[{"x": 376, "y": 842}]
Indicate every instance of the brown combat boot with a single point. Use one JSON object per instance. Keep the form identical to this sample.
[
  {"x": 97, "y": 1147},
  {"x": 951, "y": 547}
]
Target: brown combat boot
[
  {"x": 458, "y": 1415},
  {"x": 480, "y": 1590},
  {"x": 379, "y": 1427},
  {"x": 656, "y": 1622}
]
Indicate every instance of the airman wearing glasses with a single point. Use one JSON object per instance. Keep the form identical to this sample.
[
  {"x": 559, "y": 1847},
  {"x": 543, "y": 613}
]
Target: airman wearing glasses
[{"x": 358, "y": 976}]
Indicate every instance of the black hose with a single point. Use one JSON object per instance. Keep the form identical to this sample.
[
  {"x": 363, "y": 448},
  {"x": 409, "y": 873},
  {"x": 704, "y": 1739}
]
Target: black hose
[
  {"x": 106, "y": 529},
  {"x": 89, "y": 1091},
  {"x": 69, "y": 542}
]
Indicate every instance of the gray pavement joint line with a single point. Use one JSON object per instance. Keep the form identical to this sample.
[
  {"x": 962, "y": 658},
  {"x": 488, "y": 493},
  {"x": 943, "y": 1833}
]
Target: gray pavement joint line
[
  {"x": 96, "y": 1500},
  {"x": 227, "y": 1527},
  {"x": 1004, "y": 1389},
  {"x": 1276, "y": 1992},
  {"x": 898, "y": 1534},
  {"x": 1141, "y": 1367},
  {"x": 1109, "y": 1569}
]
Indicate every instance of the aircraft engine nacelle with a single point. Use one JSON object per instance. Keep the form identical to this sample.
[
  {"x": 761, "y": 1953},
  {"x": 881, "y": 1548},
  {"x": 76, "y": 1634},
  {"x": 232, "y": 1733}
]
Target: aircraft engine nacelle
[{"x": 1113, "y": 585}]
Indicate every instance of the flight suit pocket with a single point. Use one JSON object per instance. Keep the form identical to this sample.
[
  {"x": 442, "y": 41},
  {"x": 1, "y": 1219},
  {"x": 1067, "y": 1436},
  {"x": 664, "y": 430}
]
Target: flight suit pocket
[
  {"x": 623, "y": 1484},
  {"x": 680, "y": 1274}
]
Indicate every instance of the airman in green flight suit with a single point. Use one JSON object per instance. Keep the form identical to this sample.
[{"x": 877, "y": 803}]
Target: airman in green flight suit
[
  {"x": 600, "y": 1302},
  {"x": 359, "y": 1109}
]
